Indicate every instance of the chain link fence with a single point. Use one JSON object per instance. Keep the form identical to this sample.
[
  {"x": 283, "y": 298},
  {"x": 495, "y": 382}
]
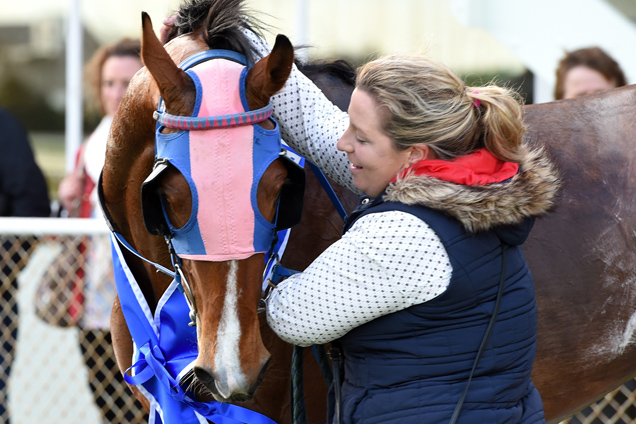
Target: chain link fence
[
  {"x": 56, "y": 364},
  {"x": 53, "y": 369},
  {"x": 617, "y": 407}
]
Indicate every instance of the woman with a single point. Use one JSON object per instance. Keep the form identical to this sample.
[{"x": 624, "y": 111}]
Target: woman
[
  {"x": 587, "y": 71},
  {"x": 409, "y": 290},
  {"x": 109, "y": 72},
  {"x": 407, "y": 294}
]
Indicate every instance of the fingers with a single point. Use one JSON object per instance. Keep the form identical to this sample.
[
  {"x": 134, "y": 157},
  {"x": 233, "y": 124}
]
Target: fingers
[
  {"x": 70, "y": 191},
  {"x": 166, "y": 32}
]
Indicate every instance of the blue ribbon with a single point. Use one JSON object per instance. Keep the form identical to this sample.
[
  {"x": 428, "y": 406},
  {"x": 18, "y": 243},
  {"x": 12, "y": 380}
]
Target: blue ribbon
[{"x": 152, "y": 369}]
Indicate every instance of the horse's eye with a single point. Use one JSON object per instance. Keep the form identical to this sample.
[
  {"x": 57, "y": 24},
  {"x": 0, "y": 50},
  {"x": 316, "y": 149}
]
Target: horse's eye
[
  {"x": 178, "y": 209},
  {"x": 169, "y": 210}
]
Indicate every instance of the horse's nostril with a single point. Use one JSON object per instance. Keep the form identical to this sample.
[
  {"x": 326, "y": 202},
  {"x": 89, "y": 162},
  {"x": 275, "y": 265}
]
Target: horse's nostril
[{"x": 205, "y": 378}]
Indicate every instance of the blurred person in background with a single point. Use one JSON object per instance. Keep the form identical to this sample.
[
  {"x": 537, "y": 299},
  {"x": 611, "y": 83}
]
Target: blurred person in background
[
  {"x": 587, "y": 71},
  {"x": 23, "y": 193},
  {"x": 108, "y": 72}
]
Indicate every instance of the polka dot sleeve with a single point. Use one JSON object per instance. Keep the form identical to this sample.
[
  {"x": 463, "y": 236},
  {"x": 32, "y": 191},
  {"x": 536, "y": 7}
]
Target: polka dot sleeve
[
  {"x": 309, "y": 122},
  {"x": 386, "y": 262}
]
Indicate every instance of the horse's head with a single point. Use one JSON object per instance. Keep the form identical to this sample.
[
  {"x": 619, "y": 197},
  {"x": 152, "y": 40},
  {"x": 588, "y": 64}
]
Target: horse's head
[{"x": 212, "y": 188}]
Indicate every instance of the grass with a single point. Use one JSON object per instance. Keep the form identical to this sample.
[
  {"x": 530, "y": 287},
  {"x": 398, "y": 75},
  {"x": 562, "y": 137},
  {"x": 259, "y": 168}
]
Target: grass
[{"x": 49, "y": 154}]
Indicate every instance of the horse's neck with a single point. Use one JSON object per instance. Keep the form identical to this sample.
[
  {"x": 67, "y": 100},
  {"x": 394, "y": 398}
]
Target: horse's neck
[{"x": 130, "y": 150}]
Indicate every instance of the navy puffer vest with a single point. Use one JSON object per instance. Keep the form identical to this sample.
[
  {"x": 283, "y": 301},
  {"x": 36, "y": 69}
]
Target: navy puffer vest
[{"x": 413, "y": 365}]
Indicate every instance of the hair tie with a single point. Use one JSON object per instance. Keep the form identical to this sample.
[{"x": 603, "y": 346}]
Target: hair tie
[{"x": 477, "y": 101}]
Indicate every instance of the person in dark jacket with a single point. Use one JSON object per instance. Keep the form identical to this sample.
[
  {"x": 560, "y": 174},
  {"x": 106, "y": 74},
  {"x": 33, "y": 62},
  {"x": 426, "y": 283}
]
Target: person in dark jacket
[
  {"x": 406, "y": 296},
  {"x": 23, "y": 193},
  {"x": 23, "y": 190}
]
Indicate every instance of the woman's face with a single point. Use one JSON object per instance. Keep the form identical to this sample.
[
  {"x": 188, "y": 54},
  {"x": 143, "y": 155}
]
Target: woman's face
[
  {"x": 117, "y": 72},
  {"x": 374, "y": 158},
  {"x": 581, "y": 80}
]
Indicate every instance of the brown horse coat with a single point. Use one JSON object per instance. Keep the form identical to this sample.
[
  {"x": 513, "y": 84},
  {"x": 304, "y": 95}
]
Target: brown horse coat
[{"x": 583, "y": 255}]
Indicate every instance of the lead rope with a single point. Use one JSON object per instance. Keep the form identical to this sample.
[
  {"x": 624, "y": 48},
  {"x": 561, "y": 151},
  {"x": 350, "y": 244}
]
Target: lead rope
[
  {"x": 334, "y": 354},
  {"x": 491, "y": 324},
  {"x": 332, "y": 377},
  {"x": 299, "y": 414}
]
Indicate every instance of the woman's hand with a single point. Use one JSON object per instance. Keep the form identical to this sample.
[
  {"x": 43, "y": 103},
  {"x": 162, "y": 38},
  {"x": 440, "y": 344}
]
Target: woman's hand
[
  {"x": 70, "y": 191},
  {"x": 167, "y": 31}
]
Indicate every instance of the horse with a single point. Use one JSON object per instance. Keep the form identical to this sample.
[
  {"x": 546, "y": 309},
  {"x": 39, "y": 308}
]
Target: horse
[
  {"x": 579, "y": 254},
  {"x": 130, "y": 160}
]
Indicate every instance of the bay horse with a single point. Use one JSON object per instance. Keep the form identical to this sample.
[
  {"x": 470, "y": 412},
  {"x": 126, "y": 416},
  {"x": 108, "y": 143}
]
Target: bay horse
[
  {"x": 216, "y": 289},
  {"x": 581, "y": 255}
]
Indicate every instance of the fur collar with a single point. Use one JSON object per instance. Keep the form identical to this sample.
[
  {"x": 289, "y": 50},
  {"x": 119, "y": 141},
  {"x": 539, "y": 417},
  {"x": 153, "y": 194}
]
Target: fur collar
[{"x": 530, "y": 193}]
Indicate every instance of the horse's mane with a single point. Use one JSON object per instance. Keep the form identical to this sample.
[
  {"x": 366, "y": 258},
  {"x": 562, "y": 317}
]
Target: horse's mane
[
  {"x": 225, "y": 22},
  {"x": 339, "y": 69}
]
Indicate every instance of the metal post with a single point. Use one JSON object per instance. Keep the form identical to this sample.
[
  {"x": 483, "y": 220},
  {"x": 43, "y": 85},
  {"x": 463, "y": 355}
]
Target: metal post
[
  {"x": 74, "y": 115},
  {"x": 302, "y": 28}
]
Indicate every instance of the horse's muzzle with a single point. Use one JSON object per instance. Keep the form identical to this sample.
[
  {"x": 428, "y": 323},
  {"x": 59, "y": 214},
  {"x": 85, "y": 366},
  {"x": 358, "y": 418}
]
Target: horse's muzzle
[{"x": 220, "y": 389}]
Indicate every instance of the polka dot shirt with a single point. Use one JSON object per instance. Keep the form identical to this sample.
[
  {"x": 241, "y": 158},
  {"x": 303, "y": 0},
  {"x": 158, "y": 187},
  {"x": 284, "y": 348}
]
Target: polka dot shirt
[{"x": 386, "y": 262}]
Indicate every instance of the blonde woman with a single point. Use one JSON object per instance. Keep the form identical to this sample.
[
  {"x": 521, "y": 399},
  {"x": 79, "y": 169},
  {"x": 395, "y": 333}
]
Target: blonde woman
[{"x": 406, "y": 296}]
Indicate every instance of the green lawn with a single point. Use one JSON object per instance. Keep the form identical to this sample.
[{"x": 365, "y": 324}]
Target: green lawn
[{"x": 49, "y": 154}]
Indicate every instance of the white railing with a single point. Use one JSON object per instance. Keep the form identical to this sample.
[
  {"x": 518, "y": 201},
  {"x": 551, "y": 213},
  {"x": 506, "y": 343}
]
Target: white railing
[{"x": 52, "y": 226}]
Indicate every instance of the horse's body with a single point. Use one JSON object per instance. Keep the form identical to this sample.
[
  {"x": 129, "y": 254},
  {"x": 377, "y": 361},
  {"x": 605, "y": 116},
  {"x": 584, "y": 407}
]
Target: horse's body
[{"x": 581, "y": 255}]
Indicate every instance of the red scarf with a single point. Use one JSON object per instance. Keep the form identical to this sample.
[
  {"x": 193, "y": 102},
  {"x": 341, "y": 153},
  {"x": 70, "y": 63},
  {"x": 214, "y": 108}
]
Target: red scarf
[{"x": 478, "y": 168}]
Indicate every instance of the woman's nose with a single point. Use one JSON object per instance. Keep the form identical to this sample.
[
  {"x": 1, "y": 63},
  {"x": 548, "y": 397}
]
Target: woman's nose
[{"x": 344, "y": 144}]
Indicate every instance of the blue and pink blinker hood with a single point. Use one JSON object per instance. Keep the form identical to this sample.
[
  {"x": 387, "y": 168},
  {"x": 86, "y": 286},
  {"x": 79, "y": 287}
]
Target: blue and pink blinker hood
[{"x": 222, "y": 153}]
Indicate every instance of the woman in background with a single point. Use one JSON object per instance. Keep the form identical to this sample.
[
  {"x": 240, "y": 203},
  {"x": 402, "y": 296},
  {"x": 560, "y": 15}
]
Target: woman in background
[
  {"x": 587, "y": 71},
  {"x": 109, "y": 71}
]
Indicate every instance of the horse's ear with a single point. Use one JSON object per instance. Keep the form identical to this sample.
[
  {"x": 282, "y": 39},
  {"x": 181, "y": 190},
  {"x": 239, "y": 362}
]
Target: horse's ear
[
  {"x": 171, "y": 80},
  {"x": 269, "y": 74}
]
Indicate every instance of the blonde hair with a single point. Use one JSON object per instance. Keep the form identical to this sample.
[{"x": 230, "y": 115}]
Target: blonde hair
[{"x": 429, "y": 104}]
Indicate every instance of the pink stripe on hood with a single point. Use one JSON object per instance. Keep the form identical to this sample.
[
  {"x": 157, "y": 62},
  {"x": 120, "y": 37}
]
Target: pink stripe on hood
[{"x": 221, "y": 165}]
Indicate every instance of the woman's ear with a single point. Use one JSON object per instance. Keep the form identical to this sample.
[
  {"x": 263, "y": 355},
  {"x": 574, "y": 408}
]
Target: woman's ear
[{"x": 418, "y": 152}]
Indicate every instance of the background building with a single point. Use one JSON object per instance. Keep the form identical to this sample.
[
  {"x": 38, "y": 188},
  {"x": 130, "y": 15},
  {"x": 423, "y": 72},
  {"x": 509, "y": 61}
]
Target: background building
[{"x": 517, "y": 42}]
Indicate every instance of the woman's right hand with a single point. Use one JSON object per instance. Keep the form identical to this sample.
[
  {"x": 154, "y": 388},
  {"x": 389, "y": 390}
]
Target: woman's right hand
[
  {"x": 166, "y": 32},
  {"x": 70, "y": 191}
]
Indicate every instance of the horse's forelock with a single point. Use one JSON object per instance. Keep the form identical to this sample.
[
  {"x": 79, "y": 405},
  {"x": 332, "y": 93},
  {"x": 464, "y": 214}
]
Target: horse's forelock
[{"x": 224, "y": 19}]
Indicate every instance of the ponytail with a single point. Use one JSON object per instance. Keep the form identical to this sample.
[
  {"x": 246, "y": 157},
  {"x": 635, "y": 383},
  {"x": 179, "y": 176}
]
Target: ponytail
[{"x": 501, "y": 119}]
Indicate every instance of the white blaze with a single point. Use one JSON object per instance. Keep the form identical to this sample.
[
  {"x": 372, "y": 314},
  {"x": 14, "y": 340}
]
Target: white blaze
[{"x": 227, "y": 364}]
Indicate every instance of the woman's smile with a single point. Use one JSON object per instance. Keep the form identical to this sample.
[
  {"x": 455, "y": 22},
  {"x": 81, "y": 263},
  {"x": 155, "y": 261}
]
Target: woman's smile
[{"x": 374, "y": 157}]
